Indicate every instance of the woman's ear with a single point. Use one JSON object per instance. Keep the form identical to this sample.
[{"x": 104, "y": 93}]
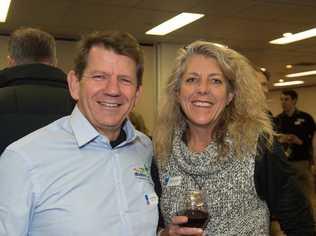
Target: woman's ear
[
  {"x": 73, "y": 85},
  {"x": 230, "y": 98}
]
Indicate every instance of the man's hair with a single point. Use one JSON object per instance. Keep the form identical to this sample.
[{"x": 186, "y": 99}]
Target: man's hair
[
  {"x": 30, "y": 45},
  {"x": 290, "y": 92},
  {"x": 121, "y": 43},
  {"x": 266, "y": 73}
]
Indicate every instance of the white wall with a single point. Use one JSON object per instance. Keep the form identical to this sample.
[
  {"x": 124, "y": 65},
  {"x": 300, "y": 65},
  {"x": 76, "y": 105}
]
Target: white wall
[
  {"x": 166, "y": 54},
  {"x": 66, "y": 51},
  {"x": 3, "y": 51},
  {"x": 147, "y": 104}
]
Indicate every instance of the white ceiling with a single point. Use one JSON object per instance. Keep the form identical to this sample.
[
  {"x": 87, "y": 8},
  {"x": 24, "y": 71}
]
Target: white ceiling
[{"x": 244, "y": 25}]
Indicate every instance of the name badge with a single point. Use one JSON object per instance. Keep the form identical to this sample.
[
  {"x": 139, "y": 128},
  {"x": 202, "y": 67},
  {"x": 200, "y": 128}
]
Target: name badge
[
  {"x": 172, "y": 181},
  {"x": 299, "y": 121},
  {"x": 151, "y": 199}
]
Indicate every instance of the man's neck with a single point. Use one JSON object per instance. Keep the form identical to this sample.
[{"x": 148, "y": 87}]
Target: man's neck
[
  {"x": 121, "y": 138},
  {"x": 290, "y": 112}
]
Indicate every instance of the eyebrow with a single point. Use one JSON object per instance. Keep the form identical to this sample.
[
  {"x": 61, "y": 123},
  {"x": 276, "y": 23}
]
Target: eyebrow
[
  {"x": 98, "y": 71},
  {"x": 211, "y": 74}
]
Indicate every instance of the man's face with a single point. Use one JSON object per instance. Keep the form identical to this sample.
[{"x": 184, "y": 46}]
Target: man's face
[
  {"x": 264, "y": 83},
  {"x": 107, "y": 91},
  {"x": 288, "y": 104}
]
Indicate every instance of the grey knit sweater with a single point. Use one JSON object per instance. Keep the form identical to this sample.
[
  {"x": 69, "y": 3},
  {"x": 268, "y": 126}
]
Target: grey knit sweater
[{"x": 233, "y": 204}]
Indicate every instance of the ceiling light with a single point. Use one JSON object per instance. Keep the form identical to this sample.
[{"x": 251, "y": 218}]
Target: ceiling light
[
  {"x": 4, "y": 8},
  {"x": 288, "y": 83},
  {"x": 290, "y": 38},
  {"x": 289, "y": 66},
  {"x": 287, "y": 34},
  {"x": 174, "y": 23},
  {"x": 300, "y": 74},
  {"x": 281, "y": 80}
]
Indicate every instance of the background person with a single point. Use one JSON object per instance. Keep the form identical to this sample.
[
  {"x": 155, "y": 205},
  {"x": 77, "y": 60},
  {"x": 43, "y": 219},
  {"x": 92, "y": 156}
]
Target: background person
[
  {"x": 87, "y": 173},
  {"x": 214, "y": 134},
  {"x": 33, "y": 91},
  {"x": 264, "y": 77},
  {"x": 296, "y": 129}
]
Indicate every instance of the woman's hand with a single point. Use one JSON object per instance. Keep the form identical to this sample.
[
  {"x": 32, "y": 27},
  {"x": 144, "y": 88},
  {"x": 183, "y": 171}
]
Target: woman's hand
[{"x": 175, "y": 230}]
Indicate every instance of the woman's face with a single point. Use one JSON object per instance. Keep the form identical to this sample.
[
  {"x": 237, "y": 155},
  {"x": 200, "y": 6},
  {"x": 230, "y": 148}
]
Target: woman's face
[{"x": 203, "y": 92}]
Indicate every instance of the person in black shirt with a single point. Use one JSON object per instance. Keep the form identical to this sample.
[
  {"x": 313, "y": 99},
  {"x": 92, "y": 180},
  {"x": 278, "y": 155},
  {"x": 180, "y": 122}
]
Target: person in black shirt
[{"x": 296, "y": 129}]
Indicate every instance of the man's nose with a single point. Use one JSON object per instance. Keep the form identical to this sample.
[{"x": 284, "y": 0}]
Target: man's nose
[{"x": 112, "y": 86}]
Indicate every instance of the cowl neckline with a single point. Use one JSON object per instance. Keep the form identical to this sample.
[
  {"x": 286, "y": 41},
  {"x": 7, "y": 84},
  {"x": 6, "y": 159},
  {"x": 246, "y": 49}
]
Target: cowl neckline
[{"x": 202, "y": 163}]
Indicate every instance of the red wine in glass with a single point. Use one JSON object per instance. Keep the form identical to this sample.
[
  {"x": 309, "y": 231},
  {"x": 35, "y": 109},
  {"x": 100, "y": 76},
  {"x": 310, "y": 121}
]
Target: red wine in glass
[
  {"x": 196, "y": 218},
  {"x": 192, "y": 204}
]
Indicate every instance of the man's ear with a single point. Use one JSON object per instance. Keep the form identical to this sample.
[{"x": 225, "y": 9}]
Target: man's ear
[
  {"x": 139, "y": 92},
  {"x": 10, "y": 61},
  {"x": 73, "y": 85}
]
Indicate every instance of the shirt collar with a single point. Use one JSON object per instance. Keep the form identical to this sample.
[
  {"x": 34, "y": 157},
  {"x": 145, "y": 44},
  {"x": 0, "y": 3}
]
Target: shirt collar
[
  {"x": 84, "y": 132},
  {"x": 296, "y": 112}
]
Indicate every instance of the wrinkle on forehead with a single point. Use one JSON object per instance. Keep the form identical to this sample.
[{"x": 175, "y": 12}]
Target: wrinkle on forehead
[{"x": 106, "y": 58}]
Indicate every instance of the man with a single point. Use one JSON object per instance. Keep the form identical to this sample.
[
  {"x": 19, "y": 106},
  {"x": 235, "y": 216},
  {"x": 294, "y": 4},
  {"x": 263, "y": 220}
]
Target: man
[
  {"x": 33, "y": 91},
  {"x": 264, "y": 78},
  {"x": 296, "y": 130},
  {"x": 89, "y": 173}
]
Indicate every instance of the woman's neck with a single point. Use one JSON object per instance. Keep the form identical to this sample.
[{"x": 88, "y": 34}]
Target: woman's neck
[{"x": 198, "y": 138}]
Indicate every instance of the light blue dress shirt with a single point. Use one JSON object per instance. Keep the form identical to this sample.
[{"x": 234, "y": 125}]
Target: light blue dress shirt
[{"x": 66, "y": 180}]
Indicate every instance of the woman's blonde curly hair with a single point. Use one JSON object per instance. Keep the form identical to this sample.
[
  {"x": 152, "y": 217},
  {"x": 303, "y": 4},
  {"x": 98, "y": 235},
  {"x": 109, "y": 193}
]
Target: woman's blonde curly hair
[{"x": 244, "y": 119}]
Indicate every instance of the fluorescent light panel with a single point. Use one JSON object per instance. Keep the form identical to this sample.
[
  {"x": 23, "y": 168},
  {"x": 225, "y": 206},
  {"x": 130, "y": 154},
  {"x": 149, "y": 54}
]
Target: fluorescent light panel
[
  {"x": 288, "y": 83},
  {"x": 290, "y": 38},
  {"x": 174, "y": 23},
  {"x": 300, "y": 74},
  {"x": 4, "y": 8}
]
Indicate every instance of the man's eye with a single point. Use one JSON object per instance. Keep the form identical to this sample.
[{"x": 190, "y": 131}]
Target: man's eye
[
  {"x": 98, "y": 77},
  {"x": 126, "y": 80}
]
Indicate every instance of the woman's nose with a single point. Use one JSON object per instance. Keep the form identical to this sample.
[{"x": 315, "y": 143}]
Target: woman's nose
[{"x": 204, "y": 87}]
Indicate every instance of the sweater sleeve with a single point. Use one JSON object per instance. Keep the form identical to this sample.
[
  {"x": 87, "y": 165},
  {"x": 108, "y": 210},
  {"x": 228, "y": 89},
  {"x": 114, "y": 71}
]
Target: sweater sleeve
[{"x": 277, "y": 185}]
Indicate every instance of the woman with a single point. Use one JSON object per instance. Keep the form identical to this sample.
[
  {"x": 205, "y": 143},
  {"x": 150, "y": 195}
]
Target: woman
[{"x": 213, "y": 134}]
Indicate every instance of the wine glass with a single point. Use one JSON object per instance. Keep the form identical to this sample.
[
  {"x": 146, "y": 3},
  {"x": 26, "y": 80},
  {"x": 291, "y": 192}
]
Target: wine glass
[{"x": 192, "y": 204}]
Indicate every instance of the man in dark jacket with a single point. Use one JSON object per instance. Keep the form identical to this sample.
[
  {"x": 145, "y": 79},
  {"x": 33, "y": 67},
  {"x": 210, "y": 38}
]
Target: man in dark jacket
[{"x": 33, "y": 91}]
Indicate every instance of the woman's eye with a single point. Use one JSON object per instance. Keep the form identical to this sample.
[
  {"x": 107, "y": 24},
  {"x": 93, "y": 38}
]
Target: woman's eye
[
  {"x": 190, "y": 80},
  {"x": 216, "y": 81}
]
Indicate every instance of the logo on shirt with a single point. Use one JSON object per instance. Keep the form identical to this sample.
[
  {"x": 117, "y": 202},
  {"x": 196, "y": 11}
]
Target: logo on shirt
[
  {"x": 299, "y": 121},
  {"x": 142, "y": 173}
]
